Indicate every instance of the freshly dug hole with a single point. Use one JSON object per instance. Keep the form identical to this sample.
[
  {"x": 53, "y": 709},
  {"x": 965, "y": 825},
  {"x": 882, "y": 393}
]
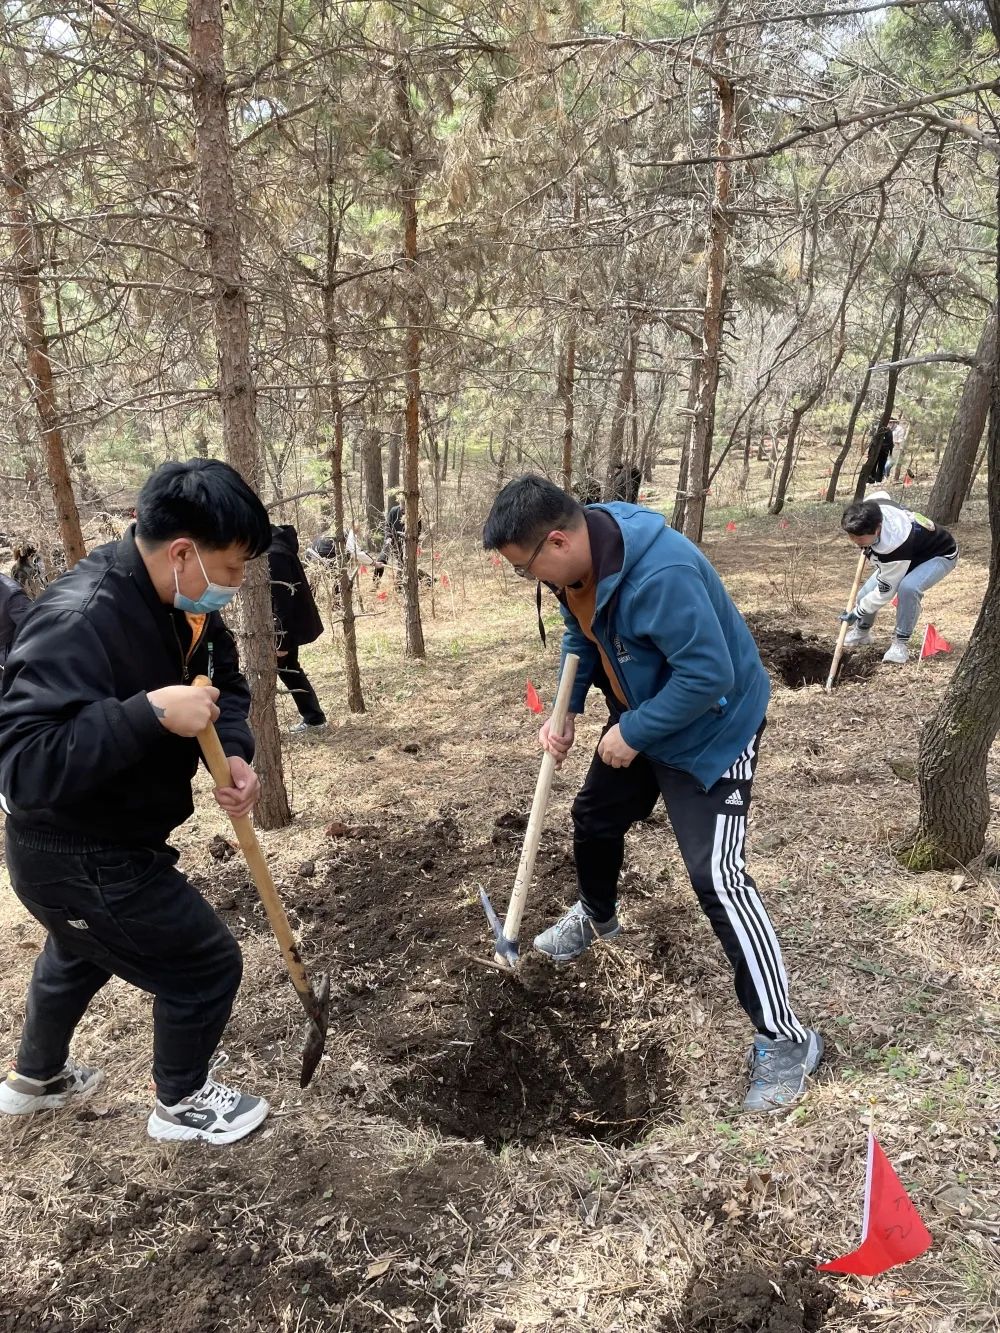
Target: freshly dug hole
[{"x": 801, "y": 660}]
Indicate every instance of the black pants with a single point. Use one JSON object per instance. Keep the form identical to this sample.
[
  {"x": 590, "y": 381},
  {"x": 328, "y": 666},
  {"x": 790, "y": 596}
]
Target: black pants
[
  {"x": 124, "y": 912},
  {"x": 297, "y": 683},
  {"x": 710, "y": 827}
]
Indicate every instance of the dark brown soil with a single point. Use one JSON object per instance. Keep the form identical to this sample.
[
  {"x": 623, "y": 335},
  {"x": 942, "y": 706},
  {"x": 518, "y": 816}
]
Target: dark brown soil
[
  {"x": 754, "y": 1301},
  {"x": 485, "y": 1055},
  {"x": 800, "y": 659}
]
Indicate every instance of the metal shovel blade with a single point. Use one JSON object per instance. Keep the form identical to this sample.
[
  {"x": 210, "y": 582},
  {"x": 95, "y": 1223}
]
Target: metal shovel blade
[
  {"x": 507, "y": 951},
  {"x": 318, "y": 1011}
]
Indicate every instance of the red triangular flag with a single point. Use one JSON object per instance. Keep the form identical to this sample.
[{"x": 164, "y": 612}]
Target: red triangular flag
[
  {"x": 362, "y": 569},
  {"x": 933, "y": 643},
  {"x": 381, "y": 596},
  {"x": 907, "y": 480},
  {"x": 784, "y": 523},
  {"x": 892, "y": 1231},
  {"x": 445, "y": 581},
  {"x": 495, "y": 561},
  {"x": 895, "y": 601},
  {"x": 730, "y": 527},
  {"x": 531, "y": 698}
]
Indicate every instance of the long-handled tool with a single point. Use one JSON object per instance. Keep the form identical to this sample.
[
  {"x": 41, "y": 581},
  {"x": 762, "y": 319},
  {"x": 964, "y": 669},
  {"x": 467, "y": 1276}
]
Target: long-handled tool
[
  {"x": 838, "y": 652},
  {"x": 506, "y": 935},
  {"x": 315, "y": 1001}
]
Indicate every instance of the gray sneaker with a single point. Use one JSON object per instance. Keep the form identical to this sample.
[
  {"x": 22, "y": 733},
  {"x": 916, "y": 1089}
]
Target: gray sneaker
[
  {"x": 20, "y": 1095},
  {"x": 214, "y": 1113},
  {"x": 307, "y": 729},
  {"x": 779, "y": 1069},
  {"x": 573, "y": 934}
]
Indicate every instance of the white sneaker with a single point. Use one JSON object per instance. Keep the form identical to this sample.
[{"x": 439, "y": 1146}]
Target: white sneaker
[
  {"x": 857, "y": 635},
  {"x": 214, "y": 1113},
  {"x": 898, "y": 652},
  {"x": 20, "y": 1095}
]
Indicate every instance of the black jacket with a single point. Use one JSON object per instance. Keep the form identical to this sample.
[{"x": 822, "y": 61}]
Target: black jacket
[
  {"x": 296, "y": 617},
  {"x": 82, "y": 753},
  {"x": 14, "y": 606}
]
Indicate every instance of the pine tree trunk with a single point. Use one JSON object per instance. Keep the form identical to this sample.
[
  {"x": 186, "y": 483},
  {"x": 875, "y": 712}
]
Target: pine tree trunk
[
  {"x": 26, "y": 266},
  {"x": 410, "y": 186},
  {"x": 954, "y": 797},
  {"x": 567, "y": 377},
  {"x": 371, "y": 463},
  {"x": 237, "y": 390},
  {"x": 623, "y": 405},
  {"x": 392, "y": 477},
  {"x": 951, "y": 484},
  {"x": 703, "y": 422}
]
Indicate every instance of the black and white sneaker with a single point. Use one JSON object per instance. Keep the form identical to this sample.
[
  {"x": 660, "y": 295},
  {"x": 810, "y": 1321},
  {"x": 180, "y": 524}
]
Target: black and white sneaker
[
  {"x": 20, "y": 1095},
  {"x": 214, "y": 1113}
]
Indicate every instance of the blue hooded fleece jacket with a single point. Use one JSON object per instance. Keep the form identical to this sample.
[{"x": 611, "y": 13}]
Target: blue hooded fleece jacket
[{"x": 687, "y": 663}]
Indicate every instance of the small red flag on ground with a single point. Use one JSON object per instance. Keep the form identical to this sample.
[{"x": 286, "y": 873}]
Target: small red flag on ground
[
  {"x": 531, "y": 698},
  {"x": 933, "y": 643},
  {"x": 445, "y": 581},
  {"x": 907, "y": 480},
  {"x": 895, "y": 601},
  {"x": 784, "y": 523},
  {"x": 495, "y": 561},
  {"x": 730, "y": 527},
  {"x": 381, "y": 596},
  {"x": 892, "y": 1232},
  {"x": 363, "y": 569}
]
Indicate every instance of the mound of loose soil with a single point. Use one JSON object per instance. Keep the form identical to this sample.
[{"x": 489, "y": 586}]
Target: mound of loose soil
[{"x": 754, "y": 1301}]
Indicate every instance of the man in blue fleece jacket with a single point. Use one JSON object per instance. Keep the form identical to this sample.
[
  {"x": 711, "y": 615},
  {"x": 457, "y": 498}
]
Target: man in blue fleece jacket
[{"x": 658, "y": 634}]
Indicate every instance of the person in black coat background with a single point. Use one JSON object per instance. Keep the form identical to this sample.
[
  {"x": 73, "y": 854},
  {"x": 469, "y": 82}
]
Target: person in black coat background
[
  {"x": 296, "y": 621},
  {"x": 14, "y": 606}
]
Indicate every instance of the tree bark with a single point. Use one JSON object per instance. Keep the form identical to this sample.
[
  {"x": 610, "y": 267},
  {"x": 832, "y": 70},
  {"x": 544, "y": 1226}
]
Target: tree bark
[
  {"x": 409, "y": 191},
  {"x": 951, "y": 485},
  {"x": 623, "y": 405},
  {"x": 236, "y": 387},
  {"x": 371, "y": 463},
  {"x": 695, "y": 483},
  {"x": 567, "y": 377},
  {"x": 954, "y": 796},
  {"x": 352, "y": 669},
  {"x": 892, "y": 377},
  {"x": 26, "y": 262}
]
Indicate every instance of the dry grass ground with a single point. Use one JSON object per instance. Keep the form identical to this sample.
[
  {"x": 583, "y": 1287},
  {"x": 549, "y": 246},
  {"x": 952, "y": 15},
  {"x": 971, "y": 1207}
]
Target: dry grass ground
[{"x": 355, "y": 1209}]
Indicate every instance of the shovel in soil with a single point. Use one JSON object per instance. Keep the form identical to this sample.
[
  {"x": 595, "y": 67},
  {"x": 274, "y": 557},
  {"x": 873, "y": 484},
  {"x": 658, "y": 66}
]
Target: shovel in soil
[
  {"x": 506, "y": 934},
  {"x": 316, "y": 1002}
]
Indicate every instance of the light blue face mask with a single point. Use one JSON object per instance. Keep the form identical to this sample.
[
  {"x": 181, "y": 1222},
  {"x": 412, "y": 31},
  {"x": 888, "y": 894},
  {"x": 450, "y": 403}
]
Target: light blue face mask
[{"x": 215, "y": 597}]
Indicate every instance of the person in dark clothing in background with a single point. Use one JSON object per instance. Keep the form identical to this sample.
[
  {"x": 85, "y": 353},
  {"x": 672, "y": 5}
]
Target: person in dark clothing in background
[
  {"x": 98, "y": 727},
  {"x": 14, "y": 606},
  {"x": 296, "y": 622}
]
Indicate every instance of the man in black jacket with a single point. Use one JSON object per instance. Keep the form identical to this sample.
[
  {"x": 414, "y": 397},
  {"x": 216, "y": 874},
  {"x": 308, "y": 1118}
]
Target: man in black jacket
[
  {"x": 98, "y": 720},
  {"x": 14, "y": 606},
  {"x": 296, "y": 621}
]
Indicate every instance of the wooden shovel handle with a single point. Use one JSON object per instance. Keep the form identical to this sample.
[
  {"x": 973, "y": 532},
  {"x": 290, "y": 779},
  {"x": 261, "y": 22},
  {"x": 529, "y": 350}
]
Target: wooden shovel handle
[
  {"x": 838, "y": 652},
  {"x": 218, "y": 766},
  {"x": 526, "y": 868}
]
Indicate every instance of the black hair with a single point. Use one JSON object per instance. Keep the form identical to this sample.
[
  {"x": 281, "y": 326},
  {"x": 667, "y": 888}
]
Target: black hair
[
  {"x": 206, "y": 500},
  {"x": 862, "y": 519},
  {"x": 526, "y": 509}
]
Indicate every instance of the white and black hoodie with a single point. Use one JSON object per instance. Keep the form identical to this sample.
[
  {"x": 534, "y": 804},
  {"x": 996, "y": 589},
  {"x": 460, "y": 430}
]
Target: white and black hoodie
[{"x": 905, "y": 541}]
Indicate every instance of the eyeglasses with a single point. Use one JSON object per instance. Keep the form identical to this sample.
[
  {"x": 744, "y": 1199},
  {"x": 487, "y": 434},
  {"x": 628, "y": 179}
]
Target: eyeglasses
[{"x": 524, "y": 571}]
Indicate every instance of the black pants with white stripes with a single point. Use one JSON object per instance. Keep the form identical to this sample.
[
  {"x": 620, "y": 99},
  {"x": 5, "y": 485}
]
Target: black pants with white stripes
[{"x": 710, "y": 827}]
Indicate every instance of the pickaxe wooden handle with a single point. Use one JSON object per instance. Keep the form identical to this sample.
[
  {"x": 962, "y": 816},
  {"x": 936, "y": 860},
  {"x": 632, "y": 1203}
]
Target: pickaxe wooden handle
[
  {"x": 838, "y": 652},
  {"x": 314, "y": 1002}
]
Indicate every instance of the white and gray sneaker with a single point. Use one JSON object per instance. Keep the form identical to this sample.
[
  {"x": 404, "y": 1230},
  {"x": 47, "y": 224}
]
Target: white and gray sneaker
[
  {"x": 898, "y": 652},
  {"x": 574, "y": 933},
  {"x": 20, "y": 1095},
  {"x": 214, "y": 1113},
  {"x": 858, "y": 635},
  {"x": 779, "y": 1069}
]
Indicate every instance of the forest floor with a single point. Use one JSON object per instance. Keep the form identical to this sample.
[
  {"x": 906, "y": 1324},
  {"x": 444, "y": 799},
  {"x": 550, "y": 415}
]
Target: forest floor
[{"x": 562, "y": 1149}]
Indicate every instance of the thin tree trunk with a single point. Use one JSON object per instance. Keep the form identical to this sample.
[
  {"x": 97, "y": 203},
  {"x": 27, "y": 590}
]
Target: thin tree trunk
[
  {"x": 371, "y": 462},
  {"x": 26, "y": 265},
  {"x": 892, "y": 376},
  {"x": 392, "y": 477},
  {"x": 703, "y": 422},
  {"x": 352, "y": 669},
  {"x": 952, "y": 483},
  {"x": 693, "y": 391},
  {"x": 623, "y": 406},
  {"x": 955, "y": 744},
  {"x": 237, "y": 390},
  {"x": 410, "y": 186}
]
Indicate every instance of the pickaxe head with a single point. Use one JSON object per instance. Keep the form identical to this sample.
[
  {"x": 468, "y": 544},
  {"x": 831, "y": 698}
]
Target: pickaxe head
[
  {"x": 507, "y": 952},
  {"x": 318, "y": 1013}
]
